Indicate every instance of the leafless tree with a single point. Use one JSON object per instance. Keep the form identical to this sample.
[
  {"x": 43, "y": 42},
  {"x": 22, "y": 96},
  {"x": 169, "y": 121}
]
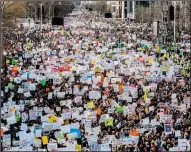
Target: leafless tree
[
  {"x": 100, "y": 6},
  {"x": 11, "y": 10},
  {"x": 184, "y": 16},
  {"x": 148, "y": 14},
  {"x": 59, "y": 8}
]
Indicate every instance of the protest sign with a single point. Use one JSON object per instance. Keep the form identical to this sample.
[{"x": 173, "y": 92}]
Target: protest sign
[
  {"x": 164, "y": 118},
  {"x": 115, "y": 79},
  {"x": 168, "y": 128},
  {"x": 93, "y": 85},
  {"x": 109, "y": 122},
  {"x": 52, "y": 146},
  {"x": 127, "y": 140},
  {"x": 94, "y": 95},
  {"x": 182, "y": 144},
  {"x": 177, "y": 133}
]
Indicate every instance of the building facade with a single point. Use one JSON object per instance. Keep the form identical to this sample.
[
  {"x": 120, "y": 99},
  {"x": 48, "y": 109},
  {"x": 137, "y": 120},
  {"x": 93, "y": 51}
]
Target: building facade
[
  {"x": 130, "y": 10},
  {"x": 119, "y": 9},
  {"x": 125, "y": 9},
  {"x": 113, "y": 9}
]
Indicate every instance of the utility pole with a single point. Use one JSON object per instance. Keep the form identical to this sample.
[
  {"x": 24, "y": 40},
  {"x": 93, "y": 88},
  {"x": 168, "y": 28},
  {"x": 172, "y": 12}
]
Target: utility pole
[
  {"x": 134, "y": 8},
  {"x": 53, "y": 10},
  {"x": 35, "y": 10},
  {"x": 177, "y": 16},
  {"x": 1, "y": 54},
  {"x": 183, "y": 24},
  {"x": 150, "y": 9},
  {"x": 41, "y": 17},
  {"x": 165, "y": 20},
  {"x": 157, "y": 32},
  {"x": 142, "y": 14},
  {"x": 123, "y": 10},
  {"x": 175, "y": 23},
  {"x": 50, "y": 13}
]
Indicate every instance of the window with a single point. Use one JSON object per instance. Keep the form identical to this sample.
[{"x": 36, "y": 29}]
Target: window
[
  {"x": 125, "y": 13},
  {"x": 125, "y": 3},
  {"x": 120, "y": 14},
  {"x": 131, "y": 7},
  {"x": 114, "y": 9}
]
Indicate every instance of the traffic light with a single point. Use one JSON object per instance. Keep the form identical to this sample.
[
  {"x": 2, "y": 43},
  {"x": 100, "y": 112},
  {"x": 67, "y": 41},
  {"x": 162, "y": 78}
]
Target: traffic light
[{"x": 171, "y": 8}]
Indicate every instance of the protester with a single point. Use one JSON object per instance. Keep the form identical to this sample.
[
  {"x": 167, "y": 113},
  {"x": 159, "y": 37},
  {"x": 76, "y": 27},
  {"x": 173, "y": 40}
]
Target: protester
[{"x": 95, "y": 85}]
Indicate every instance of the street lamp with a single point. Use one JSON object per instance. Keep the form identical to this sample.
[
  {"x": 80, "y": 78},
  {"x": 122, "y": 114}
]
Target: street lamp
[
  {"x": 5, "y": 58},
  {"x": 54, "y": 7},
  {"x": 50, "y": 12},
  {"x": 175, "y": 23},
  {"x": 41, "y": 17},
  {"x": 29, "y": 20},
  {"x": 35, "y": 10},
  {"x": 165, "y": 20}
]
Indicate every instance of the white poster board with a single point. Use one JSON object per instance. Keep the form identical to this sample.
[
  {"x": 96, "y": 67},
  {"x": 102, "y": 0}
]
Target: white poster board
[{"x": 94, "y": 95}]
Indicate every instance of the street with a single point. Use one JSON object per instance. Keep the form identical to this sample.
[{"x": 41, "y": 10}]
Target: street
[{"x": 94, "y": 84}]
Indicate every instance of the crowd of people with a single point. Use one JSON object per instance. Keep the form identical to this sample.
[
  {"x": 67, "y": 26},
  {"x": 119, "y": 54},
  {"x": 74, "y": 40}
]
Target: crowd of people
[{"x": 95, "y": 84}]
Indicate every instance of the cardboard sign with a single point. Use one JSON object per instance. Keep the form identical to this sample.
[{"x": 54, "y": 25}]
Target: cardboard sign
[
  {"x": 146, "y": 121},
  {"x": 182, "y": 144},
  {"x": 94, "y": 95},
  {"x": 61, "y": 95},
  {"x": 2, "y": 132},
  {"x": 134, "y": 133},
  {"x": 168, "y": 128},
  {"x": 127, "y": 140},
  {"x": 92, "y": 139},
  {"x": 52, "y": 146},
  {"x": 44, "y": 140},
  {"x": 114, "y": 80},
  {"x": 78, "y": 99},
  {"x": 177, "y": 133},
  {"x": 164, "y": 118},
  {"x": 37, "y": 142},
  {"x": 109, "y": 122}
]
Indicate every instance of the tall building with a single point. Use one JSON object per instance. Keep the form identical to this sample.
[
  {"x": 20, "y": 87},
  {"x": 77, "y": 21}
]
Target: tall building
[
  {"x": 119, "y": 9},
  {"x": 130, "y": 10},
  {"x": 113, "y": 9},
  {"x": 125, "y": 9}
]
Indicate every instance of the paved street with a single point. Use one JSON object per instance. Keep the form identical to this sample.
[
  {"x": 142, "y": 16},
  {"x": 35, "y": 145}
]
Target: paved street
[{"x": 94, "y": 84}]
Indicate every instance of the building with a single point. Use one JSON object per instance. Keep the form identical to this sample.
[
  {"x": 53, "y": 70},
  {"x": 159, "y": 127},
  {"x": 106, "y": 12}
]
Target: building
[
  {"x": 119, "y": 9},
  {"x": 130, "y": 9},
  {"x": 113, "y": 9},
  {"x": 125, "y": 9}
]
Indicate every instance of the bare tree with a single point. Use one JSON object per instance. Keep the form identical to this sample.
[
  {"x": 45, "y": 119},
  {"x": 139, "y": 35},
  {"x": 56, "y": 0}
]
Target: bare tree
[
  {"x": 184, "y": 16},
  {"x": 11, "y": 11},
  {"x": 100, "y": 6},
  {"x": 59, "y": 9},
  {"x": 46, "y": 6},
  {"x": 146, "y": 14}
]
